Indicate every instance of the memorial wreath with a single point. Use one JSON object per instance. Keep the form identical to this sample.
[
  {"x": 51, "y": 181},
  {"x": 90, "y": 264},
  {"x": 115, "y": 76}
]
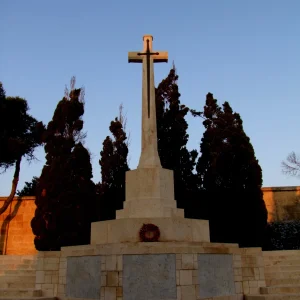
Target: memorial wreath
[{"x": 149, "y": 233}]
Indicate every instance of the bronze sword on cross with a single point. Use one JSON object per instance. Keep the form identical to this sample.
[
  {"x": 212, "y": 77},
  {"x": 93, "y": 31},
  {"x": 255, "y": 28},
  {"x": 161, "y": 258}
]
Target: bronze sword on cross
[{"x": 148, "y": 53}]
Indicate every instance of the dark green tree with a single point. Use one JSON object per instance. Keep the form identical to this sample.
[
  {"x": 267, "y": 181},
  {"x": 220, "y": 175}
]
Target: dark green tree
[
  {"x": 172, "y": 139},
  {"x": 231, "y": 178},
  {"x": 29, "y": 188},
  {"x": 113, "y": 162},
  {"x": 65, "y": 197},
  {"x": 20, "y": 134}
]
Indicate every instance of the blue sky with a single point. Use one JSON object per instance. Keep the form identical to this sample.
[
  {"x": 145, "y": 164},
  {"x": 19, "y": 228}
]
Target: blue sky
[{"x": 244, "y": 52}]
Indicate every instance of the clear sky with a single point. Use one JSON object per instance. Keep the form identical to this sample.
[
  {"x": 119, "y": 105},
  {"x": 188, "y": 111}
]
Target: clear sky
[{"x": 244, "y": 52}]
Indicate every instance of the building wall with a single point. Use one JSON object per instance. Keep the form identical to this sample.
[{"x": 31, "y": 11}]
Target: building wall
[
  {"x": 283, "y": 203},
  {"x": 16, "y": 236}
]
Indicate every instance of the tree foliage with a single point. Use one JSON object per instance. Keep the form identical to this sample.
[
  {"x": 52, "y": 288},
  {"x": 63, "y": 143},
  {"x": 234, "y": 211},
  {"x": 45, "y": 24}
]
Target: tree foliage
[
  {"x": 65, "y": 193},
  {"x": 114, "y": 165},
  {"x": 20, "y": 134},
  {"x": 230, "y": 177},
  {"x": 172, "y": 138},
  {"x": 283, "y": 235},
  {"x": 29, "y": 188}
]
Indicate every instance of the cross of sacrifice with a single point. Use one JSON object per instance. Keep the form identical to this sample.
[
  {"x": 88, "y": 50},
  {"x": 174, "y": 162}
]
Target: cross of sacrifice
[{"x": 149, "y": 155}]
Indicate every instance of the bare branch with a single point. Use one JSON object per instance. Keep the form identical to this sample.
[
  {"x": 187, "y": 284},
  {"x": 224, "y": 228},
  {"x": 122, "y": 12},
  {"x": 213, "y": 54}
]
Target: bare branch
[
  {"x": 82, "y": 95},
  {"x": 72, "y": 83},
  {"x": 72, "y": 87},
  {"x": 66, "y": 96},
  {"x": 123, "y": 120},
  {"x": 292, "y": 165}
]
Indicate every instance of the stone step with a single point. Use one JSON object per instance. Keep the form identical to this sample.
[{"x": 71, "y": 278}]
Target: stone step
[
  {"x": 29, "y": 298},
  {"x": 228, "y": 297},
  {"x": 292, "y": 262},
  {"x": 17, "y": 285},
  {"x": 283, "y": 274},
  {"x": 18, "y": 261},
  {"x": 17, "y": 258},
  {"x": 281, "y": 281},
  {"x": 14, "y": 278},
  {"x": 271, "y": 253},
  {"x": 10, "y": 266},
  {"x": 18, "y": 272},
  {"x": 17, "y": 267},
  {"x": 273, "y": 297},
  {"x": 281, "y": 289},
  {"x": 21, "y": 293},
  {"x": 282, "y": 257},
  {"x": 272, "y": 269}
]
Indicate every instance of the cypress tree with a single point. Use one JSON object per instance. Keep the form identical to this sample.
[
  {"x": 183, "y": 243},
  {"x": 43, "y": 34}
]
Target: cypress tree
[
  {"x": 65, "y": 197},
  {"x": 231, "y": 178},
  {"x": 172, "y": 139},
  {"x": 114, "y": 165}
]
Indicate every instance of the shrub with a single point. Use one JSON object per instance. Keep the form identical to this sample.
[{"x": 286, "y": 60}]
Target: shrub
[{"x": 283, "y": 235}]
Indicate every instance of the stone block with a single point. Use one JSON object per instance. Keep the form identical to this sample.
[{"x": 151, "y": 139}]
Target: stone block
[
  {"x": 149, "y": 183},
  {"x": 47, "y": 279},
  {"x": 171, "y": 230},
  {"x": 110, "y": 293},
  {"x": 248, "y": 273},
  {"x": 149, "y": 193},
  {"x": 103, "y": 280},
  {"x": 238, "y": 287},
  {"x": 112, "y": 278},
  {"x": 149, "y": 208},
  {"x": 119, "y": 291},
  {"x": 83, "y": 277},
  {"x": 186, "y": 277},
  {"x": 40, "y": 276},
  {"x": 178, "y": 264},
  {"x": 187, "y": 261},
  {"x": 215, "y": 273},
  {"x": 110, "y": 262},
  {"x": 151, "y": 277},
  {"x": 119, "y": 262},
  {"x": 188, "y": 292}
]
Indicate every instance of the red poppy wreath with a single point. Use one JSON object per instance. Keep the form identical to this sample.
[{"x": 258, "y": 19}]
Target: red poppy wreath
[{"x": 149, "y": 233}]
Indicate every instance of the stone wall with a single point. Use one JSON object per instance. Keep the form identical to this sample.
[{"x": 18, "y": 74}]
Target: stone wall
[
  {"x": 16, "y": 235},
  {"x": 283, "y": 203}
]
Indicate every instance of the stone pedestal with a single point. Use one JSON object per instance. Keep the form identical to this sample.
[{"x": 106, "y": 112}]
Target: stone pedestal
[
  {"x": 171, "y": 230},
  {"x": 149, "y": 194}
]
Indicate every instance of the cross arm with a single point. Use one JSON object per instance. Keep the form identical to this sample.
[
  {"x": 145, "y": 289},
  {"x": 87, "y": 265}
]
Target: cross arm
[
  {"x": 134, "y": 57},
  {"x": 162, "y": 56}
]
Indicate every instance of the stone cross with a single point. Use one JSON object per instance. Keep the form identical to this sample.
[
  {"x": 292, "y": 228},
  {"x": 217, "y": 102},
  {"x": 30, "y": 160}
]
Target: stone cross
[{"x": 149, "y": 155}]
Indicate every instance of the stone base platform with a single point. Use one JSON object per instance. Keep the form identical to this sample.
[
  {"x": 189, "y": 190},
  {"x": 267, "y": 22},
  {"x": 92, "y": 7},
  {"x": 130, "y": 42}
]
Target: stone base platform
[
  {"x": 171, "y": 230},
  {"x": 161, "y": 270}
]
